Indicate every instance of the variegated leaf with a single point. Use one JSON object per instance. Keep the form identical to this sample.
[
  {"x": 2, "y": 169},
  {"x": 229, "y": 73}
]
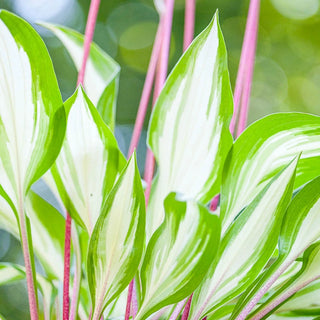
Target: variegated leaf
[
  {"x": 306, "y": 299},
  {"x": 178, "y": 255},
  {"x": 88, "y": 164},
  {"x": 32, "y": 117},
  {"x": 263, "y": 150},
  {"x": 117, "y": 240},
  {"x": 309, "y": 272},
  {"x": 47, "y": 229},
  {"x": 189, "y": 128},
  {"x": 10, "y": 273},
  {"x": 299, "y": 230},
  {"x": 102, "y": 72},
  {"x": 246, "y": 247}
]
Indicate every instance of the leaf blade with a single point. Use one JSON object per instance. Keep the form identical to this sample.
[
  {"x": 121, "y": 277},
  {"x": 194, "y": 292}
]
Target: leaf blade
[
  {"x": 178, "y": 254},
  {"x": 117, "y": 241},
  {"x": 189, "y": 127}
]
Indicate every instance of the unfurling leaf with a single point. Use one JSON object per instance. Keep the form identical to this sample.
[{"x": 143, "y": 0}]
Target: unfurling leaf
[{"x": 117, "y": 240}]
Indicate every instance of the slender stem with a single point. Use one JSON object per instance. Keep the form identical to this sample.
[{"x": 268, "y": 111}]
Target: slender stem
[
  {"x": 129, "y": 298},
  {"x": 159, "y": 82},
  {"x": 177, "y": 310},
  {"x": 189, "y": 19},
  {"x": 256, "y": 298},
  {"x": 186, "y": 310},
  {"x": 77, "y": 274},
  {"x": 91, "y": 22},
  {"x": 143, "y": 105},
  {"x": 252, "y": 44},
  {"x": 294, "y": 289},
  {"x": 249, "y": 45},
  {"x": 244, "y": 77},
  {"x": 66, "y": 271},
  {"x": 27, "y": 251},
  {"x": 134, "y": 302}
]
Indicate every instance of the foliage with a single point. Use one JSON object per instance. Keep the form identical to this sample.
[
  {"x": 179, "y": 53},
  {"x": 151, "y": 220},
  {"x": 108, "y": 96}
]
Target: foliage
[{"x": 246, "y": 260}]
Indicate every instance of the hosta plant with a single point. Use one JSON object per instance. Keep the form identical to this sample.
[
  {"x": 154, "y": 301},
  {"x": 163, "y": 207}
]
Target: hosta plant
[{"x": 254, "y": 255}]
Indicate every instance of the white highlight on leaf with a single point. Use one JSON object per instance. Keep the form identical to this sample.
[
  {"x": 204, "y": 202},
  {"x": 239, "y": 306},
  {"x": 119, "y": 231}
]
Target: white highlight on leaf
[
  {"x": 82, "y": 162},
  {"x": 20, "y": 111},
  {"x": 274, "y": 153}
]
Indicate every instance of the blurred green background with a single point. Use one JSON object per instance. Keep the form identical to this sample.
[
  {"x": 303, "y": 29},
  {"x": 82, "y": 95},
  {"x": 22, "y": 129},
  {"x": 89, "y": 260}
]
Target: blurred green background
[{"x": 286, "y": 77}]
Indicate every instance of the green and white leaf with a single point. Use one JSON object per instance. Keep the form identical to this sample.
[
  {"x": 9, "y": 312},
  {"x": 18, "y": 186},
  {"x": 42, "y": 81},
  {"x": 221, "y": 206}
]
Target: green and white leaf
[
  {"x": 10, "y": 273},
  {"x": 48, "y": 232},
  {"x": 246, "y": 246},
  {"x": 32, "y": 117},
  {"x": 102, "y": 72},
  {"x": 189, "y": 128},
  {"x": 308, "y": 298},
  {"x": 178, "y": 255},
  {"x": 264, "y": 149},
  {"x": 47, "y": 229},
  {"x": 88, "y": 164},
  {"x": 309, "y": 272},
  {"x": 117, "y": 241},
  {"x": 8, "y": 219},
  {"x": 300, "y": 229}
]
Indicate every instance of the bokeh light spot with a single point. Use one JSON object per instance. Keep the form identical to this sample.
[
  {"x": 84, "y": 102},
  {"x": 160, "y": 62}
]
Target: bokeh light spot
[{"x": 297, "y": 9}]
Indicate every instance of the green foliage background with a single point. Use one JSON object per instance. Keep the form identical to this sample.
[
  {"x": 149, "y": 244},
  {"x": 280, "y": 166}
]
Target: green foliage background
[{"x": 286, "y": 78}]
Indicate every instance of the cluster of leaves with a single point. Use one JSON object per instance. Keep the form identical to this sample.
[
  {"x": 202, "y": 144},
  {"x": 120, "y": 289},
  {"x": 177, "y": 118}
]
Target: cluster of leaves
[{"x": 245, "y": 261}]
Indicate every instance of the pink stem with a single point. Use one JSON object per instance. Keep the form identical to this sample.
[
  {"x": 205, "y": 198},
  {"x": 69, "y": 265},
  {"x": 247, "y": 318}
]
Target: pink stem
[
  {"x": 160, "y": 80},
  {"x": 91, "y": 23},
  {"x": 254, "y": 16},
  {"x": 75, "y": 290},
  {"x": 128, "y": 306},
  {"x": 146, "y": 92},
  {"x": 282, "y": 298},
  {"x": 186, "y": 310},
  {"x": 249, "y": 44},
  {"x": 178, "y": 310},
  {"x": 66, "y": 272},
  {"x": 256, "y": 298},
  {"x": 134, "y": 303},
  {"x": 33, "y": 303},
  {"x": 189, "y": 23},
  {"x": 244, "y": 76},
  {"x": 92, "y": 18},
  {"x": 214, "y": 202}
]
